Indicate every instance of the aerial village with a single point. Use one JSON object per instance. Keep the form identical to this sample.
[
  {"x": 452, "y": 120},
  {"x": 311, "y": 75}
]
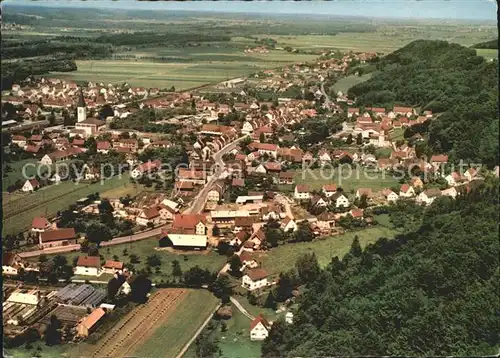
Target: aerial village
[{"x": 241, "y": 190}]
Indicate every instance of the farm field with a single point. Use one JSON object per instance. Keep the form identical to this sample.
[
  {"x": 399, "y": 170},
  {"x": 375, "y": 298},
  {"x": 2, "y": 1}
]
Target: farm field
[
  {"x": 388, "y": 38},
  {"x": 18, "y": 214},
  {"x": 359, "y": 178},
  {"x": 144, "y": 248},
  {"x": 140, "y": 324},
  {"x": 487, "y": 53},
  {"x": 184, "y": 69},
  {"x": 282, "y": 258},
  {"x": 347, "y": 82},
  {"x": 170, "y": 337}
]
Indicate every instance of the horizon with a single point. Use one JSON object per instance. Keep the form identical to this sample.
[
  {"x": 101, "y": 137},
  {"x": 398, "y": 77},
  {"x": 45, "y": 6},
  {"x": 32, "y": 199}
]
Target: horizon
[{"x": 463, "y": 10}]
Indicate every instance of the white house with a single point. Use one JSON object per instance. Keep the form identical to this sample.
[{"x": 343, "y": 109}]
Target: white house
[
  {"x": 259, "y": 328},
  {"x": 390, "y": 196},
  {"x": 260, "y": 169},
  {"x": 11, "y": 262},
  {"x": 428, "y": 196},
  {"x": 254, "y": 279},
  {"x": 452, "y": 192},
  {"x": 406, "y": 191},
  {"x": 340, "y": 200},
  {"x": 288, "y": 225},
  {"x": 88, "y": 266},
  {"x": 302, "y": 192},
  {"x": 329, "y": 189},
  {"x": 30, "y": 185},
  {"x": 147, "y": 216},
  {"x": 40, "y": 224}
]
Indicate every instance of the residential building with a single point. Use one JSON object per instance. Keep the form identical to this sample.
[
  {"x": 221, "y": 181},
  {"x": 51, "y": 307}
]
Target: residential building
[
  {"x": 259, "y": 328},
  {"x": 340, "y": 200},
  {"x": 329, "y": 189},
  {"x": 30, "y": 185},
  {"x": 40, "y": 224},
  {"x": 149, "y": 216},
  {"x": 302, "y": 192},
  {"x": 428, "y": 196},
  {"x": 255, "y": 279},
  {"x": 406, "y": 191},
  {"x": 113, "y": 267},
  {"x": 88, "y": 266}
]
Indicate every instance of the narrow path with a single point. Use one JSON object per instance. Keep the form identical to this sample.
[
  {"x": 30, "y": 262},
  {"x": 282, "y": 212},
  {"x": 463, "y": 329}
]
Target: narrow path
[{"x": 242, "y": 309}]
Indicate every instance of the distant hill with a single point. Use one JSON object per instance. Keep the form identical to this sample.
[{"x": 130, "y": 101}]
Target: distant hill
[
  {"x": 493, "y": 44},
  {"x": 446, "y": 78}
]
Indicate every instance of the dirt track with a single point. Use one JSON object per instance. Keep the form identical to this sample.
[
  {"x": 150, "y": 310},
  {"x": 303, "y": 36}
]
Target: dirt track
[{"x": 139, "y": 324}]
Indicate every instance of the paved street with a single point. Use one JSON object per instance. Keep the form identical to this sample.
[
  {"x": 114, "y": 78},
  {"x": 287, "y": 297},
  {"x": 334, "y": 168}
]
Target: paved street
[{"x": 200, "y": 200}]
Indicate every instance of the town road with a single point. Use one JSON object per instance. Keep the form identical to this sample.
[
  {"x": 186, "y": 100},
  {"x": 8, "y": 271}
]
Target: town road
[
  {"x": 76, "y": 247},
  {"x": 199, "y": 201}
]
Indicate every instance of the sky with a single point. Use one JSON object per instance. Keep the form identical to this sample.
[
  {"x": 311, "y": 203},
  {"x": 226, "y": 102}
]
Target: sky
[{"x": 416, "y": 9}]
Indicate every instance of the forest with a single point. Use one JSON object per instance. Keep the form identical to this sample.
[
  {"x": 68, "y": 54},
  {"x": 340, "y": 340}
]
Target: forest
[
  {"x": 432, "y": 291},
  {"x": 493, "y": 44},
  {"x": 21, "y": 69},
  {"x": 454, "y": 83}
]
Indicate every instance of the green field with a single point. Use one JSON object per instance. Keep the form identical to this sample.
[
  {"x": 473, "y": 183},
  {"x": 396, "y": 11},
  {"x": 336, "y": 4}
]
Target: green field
[
  {"x": 388, "y": 38},
  {"x": 186, "y": 68},
  {"x": 283, "y": 258},
  {"x": 487, "y": 53},
  {"x": 347, "y": 82},
  {"x": 16, "y": 172},
  {"x": 170, "y": 338},
  {"x": 144, "y": 248},
  {"x": 19, "y": 213},
  {"x": 358, "y": 179}
]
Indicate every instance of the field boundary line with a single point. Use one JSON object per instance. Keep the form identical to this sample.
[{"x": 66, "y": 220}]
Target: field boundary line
[{"x": 197, "y": 333}]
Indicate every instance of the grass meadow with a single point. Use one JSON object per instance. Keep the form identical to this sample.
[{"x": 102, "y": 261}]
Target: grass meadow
[
  {"x": 19, "y": 212},
  {"x": 358, "y": 179},
  {"x": 170, "y": 338},
  {"x": 282, "y": 258}
]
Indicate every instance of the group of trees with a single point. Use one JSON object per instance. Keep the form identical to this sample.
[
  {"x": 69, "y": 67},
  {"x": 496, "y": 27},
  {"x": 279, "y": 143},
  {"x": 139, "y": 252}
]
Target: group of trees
[
  {"x": 430, "y": 291},
  {"x": 448, "y": 79}
]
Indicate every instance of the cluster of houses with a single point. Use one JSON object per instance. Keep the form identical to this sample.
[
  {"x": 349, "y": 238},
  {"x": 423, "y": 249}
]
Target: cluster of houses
[{"x": 56, "y": 93}]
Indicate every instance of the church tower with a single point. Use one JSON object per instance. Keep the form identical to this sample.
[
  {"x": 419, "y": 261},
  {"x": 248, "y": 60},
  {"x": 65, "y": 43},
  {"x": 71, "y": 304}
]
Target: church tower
[{"x": 81, "y": 108}]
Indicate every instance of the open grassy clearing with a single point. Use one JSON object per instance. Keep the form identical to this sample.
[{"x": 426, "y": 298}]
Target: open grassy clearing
[
  {"x": 144, "y": 248},
  {"x": 487, "y": 53},
  {"x": 235, "y": 342},
  {"x": 283, "y": 258},
  {"x": 121, "y": 191},
  {"x": 16, "y": 173},
  {"x": 397, "y": 134},
  {"x": 49, "y": 200},
  {"x": 170, "y": 338},
  {"x": 349, "y": 181},
  {"x": 347, "y": 82}
]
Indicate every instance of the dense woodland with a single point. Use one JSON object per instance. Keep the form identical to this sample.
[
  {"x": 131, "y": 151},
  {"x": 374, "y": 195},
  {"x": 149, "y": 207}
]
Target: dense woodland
[
  {"x": 493, "y": 44},
  {"x": 448, "y": 79},
  {"x": 430, "y": 292}
]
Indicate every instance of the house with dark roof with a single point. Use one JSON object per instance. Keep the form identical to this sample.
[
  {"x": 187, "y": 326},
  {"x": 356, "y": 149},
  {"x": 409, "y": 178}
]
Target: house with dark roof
[
  {"x": 58, "y": 237},
  {"x": 255, "y": 279},
  {"x": 148, "y": 216}
]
